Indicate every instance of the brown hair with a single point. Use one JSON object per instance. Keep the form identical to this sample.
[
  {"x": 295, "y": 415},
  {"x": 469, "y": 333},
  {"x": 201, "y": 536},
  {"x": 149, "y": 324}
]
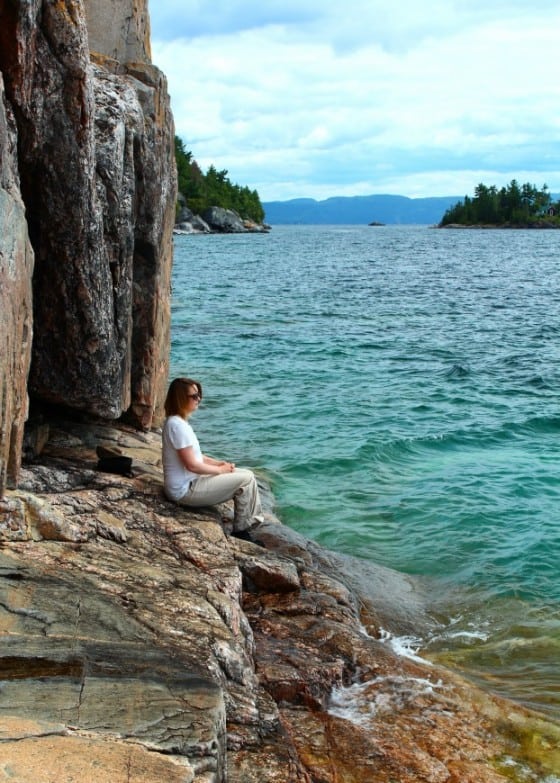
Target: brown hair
[{"x": 177, "y": 400}]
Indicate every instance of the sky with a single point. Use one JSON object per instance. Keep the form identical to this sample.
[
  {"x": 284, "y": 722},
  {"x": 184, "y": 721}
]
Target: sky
[{"x": 316, "y": 98}]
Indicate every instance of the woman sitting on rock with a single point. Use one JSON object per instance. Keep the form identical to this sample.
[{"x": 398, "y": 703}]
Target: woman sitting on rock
[{"x": 193, "y": 479}]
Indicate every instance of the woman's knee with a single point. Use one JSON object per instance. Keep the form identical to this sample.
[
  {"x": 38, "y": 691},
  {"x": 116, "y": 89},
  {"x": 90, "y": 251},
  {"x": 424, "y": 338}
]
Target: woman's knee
[{"x": 245, "y": 475}]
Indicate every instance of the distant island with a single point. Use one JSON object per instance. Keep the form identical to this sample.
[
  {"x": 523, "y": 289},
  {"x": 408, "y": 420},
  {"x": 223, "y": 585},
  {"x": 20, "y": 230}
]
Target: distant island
[{"x": 509, "y": 207}]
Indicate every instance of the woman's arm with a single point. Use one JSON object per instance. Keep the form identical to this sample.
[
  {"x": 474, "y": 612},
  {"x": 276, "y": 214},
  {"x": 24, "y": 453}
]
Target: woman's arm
[
  {"x": 212, "y": 461},
  {"x": 205, "y": 466}
]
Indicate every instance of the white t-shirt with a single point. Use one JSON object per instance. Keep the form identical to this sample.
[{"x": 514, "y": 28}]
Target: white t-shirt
[{"x": 177, "y": 434}]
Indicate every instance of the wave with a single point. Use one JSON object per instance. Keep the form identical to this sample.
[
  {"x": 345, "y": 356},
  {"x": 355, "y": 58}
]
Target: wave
[
  {"x": 408, "y": 448},
  {"x": 549, "y": 425},
  {"x": 547, "y": 331},
  {"x": 458, "y": 371}
]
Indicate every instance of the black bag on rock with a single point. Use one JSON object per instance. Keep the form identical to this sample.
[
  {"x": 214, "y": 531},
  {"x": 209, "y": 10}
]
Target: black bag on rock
[{"x": 117, "y": 464}]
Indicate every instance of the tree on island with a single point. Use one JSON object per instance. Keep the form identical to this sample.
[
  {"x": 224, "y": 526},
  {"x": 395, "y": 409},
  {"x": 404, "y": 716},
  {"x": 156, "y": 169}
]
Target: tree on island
[
  {"x": 213, "y": 189},
  {"x": 515, "y": 206}
]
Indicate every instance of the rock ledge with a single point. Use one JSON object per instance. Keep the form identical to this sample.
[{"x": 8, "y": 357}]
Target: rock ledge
[{"x": 141, "y": 643}]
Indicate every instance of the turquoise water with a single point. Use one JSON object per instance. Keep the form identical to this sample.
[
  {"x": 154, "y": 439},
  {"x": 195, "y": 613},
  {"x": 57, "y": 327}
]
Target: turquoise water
[{"x": 398, "y": 386}]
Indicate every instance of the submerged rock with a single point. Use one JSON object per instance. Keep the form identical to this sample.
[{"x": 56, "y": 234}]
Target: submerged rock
[{"x": 140, "y": 642}]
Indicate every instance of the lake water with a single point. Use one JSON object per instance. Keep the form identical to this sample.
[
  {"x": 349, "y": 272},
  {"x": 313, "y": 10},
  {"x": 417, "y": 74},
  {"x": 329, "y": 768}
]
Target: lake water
[{"x": 398, "y": 387}]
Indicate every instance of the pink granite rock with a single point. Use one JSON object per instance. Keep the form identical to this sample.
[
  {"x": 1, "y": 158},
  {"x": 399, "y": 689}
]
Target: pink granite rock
[
  {"x": 16, "y": 319},
  {"x": 96, "y": 164}
]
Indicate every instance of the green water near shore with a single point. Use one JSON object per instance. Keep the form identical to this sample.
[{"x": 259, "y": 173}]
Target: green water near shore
[{"x": 398, "y": 387}]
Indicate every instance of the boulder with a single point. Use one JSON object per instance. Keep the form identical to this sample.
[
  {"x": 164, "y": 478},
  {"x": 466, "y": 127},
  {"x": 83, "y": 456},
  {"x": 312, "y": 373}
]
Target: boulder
[
  {"x": 191, "y": 224},
  {"x": 185, "y": 214},
  {"x": 224, "y": 221}
]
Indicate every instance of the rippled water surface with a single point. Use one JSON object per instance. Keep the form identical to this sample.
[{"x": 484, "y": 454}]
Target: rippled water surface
[{"x": 399, "y": 388}]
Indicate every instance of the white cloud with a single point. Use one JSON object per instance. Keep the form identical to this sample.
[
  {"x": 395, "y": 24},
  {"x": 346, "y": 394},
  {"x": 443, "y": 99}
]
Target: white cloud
[{"x": 318, "y": 99}]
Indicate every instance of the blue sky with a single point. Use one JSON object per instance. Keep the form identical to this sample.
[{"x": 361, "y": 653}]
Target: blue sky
[{"x": 315, "y": 98}]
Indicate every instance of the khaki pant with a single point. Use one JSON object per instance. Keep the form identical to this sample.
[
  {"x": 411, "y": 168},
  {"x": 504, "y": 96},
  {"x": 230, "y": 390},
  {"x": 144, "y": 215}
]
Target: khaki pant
[{"x": 241, "y": 485}]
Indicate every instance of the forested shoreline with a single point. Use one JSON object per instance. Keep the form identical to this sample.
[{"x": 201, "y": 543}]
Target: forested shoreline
[
  {"x": 213, "y": 189},
  {"x": 513, "y": 206}
]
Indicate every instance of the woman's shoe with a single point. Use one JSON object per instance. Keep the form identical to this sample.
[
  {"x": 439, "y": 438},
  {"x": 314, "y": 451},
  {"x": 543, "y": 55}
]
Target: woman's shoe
[{"x": 244, "y": 535}]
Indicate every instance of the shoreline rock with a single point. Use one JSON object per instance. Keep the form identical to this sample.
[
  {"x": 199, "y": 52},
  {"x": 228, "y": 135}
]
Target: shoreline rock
[
  {"x": 142, "y": 643},
  {"x": 216, "y": 220}
]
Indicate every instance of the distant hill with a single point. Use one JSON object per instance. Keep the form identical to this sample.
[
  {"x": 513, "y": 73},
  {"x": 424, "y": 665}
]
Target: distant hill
[{"x": 341, "y": 210}]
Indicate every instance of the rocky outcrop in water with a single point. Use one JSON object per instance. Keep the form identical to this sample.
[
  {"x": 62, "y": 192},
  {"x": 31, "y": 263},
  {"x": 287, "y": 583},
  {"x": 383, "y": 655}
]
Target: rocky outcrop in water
[
  {"x": 96, "y": 175},
  {"x": 216, "y": 220},
  {"x": 227, "y": 221},
  {"x": 141, "y": 643}
]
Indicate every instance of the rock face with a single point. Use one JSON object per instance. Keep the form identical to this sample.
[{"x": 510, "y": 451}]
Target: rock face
[
  {"x": 97, "y": 173},
  {"x": 141, "y": 643},
  {"x": 120, "y": 29},
  {"x": 16, "y": 319}
]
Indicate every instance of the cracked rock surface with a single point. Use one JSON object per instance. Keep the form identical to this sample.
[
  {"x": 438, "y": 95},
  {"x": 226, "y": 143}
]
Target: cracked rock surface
[{"x": 139, "y": 642}]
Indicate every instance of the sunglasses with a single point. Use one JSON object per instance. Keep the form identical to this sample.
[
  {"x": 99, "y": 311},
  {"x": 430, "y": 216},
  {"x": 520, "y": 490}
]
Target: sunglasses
[{"x": 196, "y": 396}]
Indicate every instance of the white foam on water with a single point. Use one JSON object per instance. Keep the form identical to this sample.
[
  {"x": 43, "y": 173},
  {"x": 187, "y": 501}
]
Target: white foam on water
[
  {"x": 523, "y": 772},
  {"x": 478, "y": 635},
  {"x": 363, "y": 701},
  {"x": 349, "y": 703},
  {"x": 404, "y": 646}
]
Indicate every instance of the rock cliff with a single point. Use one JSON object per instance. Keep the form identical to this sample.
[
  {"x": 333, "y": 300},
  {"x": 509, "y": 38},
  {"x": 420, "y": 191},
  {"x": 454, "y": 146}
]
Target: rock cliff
[
  {"x": 16, "y": 319},
  {"x": 92, "y": 185}
]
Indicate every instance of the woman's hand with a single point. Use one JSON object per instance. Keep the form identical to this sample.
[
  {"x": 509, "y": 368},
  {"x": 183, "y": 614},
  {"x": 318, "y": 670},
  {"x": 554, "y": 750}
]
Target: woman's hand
[
  {"x": 208, "y": 466},
  {"x": 222, "y": 464}
]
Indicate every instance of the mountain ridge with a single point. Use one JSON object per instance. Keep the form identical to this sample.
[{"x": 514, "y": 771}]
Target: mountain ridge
[{"x": 340, "y": 210}]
